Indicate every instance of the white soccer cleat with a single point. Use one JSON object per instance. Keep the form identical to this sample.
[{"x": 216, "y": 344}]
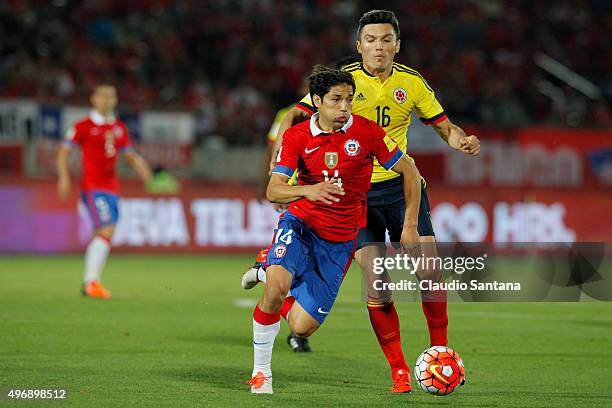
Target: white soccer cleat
[
  {"x": 249, "y": 279},
  {"x": 260, "y": 384}
]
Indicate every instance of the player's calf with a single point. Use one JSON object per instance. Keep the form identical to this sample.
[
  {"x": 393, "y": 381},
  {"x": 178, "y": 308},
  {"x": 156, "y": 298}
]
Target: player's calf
[
  {"x": 301, "y": 323},
  {"x": 434, "y": 302}
]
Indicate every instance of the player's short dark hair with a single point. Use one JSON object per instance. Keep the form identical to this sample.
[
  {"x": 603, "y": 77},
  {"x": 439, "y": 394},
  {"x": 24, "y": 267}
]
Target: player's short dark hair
[
  {"x": 323, "y": 78},
  {"x": 379, "y": 17}
]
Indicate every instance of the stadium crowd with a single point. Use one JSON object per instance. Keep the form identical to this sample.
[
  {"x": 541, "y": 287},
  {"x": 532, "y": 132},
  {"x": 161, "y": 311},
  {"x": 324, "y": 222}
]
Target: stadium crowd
[{"x": 234, "y": 63}]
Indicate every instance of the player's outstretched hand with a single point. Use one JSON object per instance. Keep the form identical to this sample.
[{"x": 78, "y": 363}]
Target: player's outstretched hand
[
  {"x": 470, "y": 145},
  {"x": 324, "y": 192},
  {"x": 63, "y": 188},
  {"x": 410, "y": 241}
]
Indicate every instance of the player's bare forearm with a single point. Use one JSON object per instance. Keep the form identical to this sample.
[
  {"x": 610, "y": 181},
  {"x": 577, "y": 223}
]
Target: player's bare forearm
[
  {"x": 140, "y": 166},
  {"x": 62, "y": 161},
  {"x": 63, "y": 172},
  {"x": 282, "y": 193},
  {"x": 294, "y": 116},
  {"x": 412, "y": 198},
  {"x": 456, "y": 137}
]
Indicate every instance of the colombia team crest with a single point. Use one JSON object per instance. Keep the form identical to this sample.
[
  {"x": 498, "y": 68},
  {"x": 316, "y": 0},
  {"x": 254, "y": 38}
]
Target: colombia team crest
[
  {"x": 400, "y": 95},
  {"x": 352, "y": 147},
  {"x": 331, "y": 159}
]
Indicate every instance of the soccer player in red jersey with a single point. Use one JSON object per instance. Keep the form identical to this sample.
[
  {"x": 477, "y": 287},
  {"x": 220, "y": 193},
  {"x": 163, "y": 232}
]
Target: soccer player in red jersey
[
  {"x": 314, "y": 243},
  {"x": 101, "y": 137}
]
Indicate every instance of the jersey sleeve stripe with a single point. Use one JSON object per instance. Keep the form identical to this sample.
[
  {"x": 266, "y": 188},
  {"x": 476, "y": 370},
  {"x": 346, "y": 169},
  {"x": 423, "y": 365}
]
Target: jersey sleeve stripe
[
  {"x": 435, "y": 119},
  {"x": 287, "y": 171},
  {"x": 351, "y": 66},
  {"x": 306, "y": 108},
  {"x": 393, "y": 160}
]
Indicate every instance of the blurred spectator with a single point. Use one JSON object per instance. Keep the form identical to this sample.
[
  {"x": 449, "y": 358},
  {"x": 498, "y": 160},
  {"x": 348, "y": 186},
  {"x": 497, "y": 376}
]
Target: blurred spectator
[{"x": 233, "y": 62}]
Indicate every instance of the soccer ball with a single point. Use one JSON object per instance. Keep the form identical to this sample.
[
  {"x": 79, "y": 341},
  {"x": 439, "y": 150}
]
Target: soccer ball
[{"x": 439, "y": 370}]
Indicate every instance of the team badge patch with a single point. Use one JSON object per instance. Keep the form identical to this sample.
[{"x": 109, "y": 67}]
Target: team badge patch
[
  {"x": 352, "y": 147},
  {"x": 331, "y": 159},
  {"x": 280, "y": 250},
  {"x": 118, "y": 131},
  {"x": 400, "y": 95}
]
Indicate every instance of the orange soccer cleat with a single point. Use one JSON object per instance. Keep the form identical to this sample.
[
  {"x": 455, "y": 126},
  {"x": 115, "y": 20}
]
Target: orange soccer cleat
[
  {"x": 402, "y": 381},
  {"x": 94, "y": 289},
  {"x": 262, "y": 256},
  {"x": 260, "y": 384}
]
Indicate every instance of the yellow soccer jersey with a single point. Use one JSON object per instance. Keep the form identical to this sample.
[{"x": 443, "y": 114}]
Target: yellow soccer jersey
[
  {"x": 390, "y": 104},
  {"x": 280, "y": 115}
]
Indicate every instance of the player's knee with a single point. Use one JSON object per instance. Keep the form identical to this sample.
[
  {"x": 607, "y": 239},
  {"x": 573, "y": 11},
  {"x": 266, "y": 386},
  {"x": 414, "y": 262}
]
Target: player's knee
[
  {"x": 273, "y": 297},
  {"x": 106, "y": 232}
]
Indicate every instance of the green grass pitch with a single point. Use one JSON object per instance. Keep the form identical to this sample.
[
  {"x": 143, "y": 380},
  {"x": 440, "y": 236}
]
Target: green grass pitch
[{"x": 178, "y": 333}]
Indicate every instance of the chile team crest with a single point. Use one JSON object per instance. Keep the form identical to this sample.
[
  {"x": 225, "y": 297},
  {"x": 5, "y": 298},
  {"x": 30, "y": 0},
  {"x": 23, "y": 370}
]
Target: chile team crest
[
  {"x": 352, "y": 147},
  {"x": 400, "y": 95},
  {"x": 331, "y": 159},
  {"x": 280, "y": 250}
]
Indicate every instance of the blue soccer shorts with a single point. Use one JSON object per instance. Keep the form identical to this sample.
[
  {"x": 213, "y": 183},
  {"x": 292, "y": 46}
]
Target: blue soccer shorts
[
  {"x": 103, "y": 207},
  {"x": 318, "y": 266}
]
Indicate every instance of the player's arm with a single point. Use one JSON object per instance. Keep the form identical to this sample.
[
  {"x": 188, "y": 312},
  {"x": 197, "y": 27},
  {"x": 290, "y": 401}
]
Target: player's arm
[
  {"x": 140, "y": 166},
  {"x": 63, "y": 172},
  {"x": 412, "y": 199},
  {"x": 457, "y": 138},
  {"x": 294, "y": 116}
]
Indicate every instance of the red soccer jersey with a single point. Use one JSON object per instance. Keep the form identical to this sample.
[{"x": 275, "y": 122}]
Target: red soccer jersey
[
  {"x": 100, "y": 141},
  {"x": 345, "y": 155}
]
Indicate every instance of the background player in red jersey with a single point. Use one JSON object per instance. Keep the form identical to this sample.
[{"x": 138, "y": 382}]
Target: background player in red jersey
[
  {"x": 315, "y": 240},
  {"x": 101, "y": 136}
]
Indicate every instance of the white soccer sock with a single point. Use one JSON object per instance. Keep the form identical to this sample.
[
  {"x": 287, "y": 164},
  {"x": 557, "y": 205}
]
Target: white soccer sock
[
  {"x": 95, "y": 258},
  {"x": 261, "y": 274},
  {"x": 263, "y": 342}
]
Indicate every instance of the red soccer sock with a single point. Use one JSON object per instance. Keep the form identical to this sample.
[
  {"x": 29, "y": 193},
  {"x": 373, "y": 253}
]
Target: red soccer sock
[
  {"x": 386, "y": 327},
  {"x": 436, "y": 316},
  {"x": 286, "y": 307},
  {"x": 263, "y": 318}
]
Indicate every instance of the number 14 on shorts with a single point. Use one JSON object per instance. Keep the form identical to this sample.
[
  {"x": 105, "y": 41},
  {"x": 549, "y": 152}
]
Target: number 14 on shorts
[{"x": 283, "y": 236}]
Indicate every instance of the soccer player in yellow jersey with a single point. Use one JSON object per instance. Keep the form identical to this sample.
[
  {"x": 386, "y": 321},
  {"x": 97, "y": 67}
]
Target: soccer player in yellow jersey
[{"x": 388, "y": 92}]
